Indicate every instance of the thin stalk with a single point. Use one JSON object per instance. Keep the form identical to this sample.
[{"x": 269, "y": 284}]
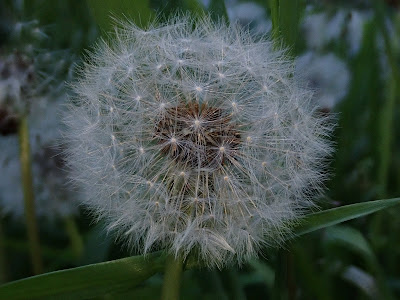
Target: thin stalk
[
  {"x": 74, "y": 236},
  {"x": 27, "y": 186},
  {"x": 3, "y": 267},
  {"x": 172, "y": 278},
  {"x": 285, "y": 16},
  {"x": 291, "y": 280},
  {"x": 234, "y": 285},
  {"x": 280, "y": 291}
]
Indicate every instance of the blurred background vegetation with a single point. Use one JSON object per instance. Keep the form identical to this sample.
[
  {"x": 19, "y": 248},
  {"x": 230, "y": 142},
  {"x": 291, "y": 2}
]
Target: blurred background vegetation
[{"x": 348, "y": 51}]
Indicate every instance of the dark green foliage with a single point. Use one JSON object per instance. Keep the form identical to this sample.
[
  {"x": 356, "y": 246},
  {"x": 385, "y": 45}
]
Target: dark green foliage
[{"x": 356, "y": 260}]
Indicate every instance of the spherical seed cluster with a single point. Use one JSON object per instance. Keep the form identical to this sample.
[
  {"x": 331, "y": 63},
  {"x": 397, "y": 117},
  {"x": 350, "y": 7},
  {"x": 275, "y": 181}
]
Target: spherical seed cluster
[{"x": 195, "y": 137}]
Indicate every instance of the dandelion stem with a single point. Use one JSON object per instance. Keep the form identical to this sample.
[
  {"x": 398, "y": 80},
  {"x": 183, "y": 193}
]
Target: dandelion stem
[
  {"x": 280, "y": 277},
  {"x": 284, "y": 286},
  {"x": 234, "y": 285},
  {"x": 74, "y": 236},
  {"x": 27, "y": 186},
  {"x": 172, "y": 278},
  {"x": 3, "y": 268}
]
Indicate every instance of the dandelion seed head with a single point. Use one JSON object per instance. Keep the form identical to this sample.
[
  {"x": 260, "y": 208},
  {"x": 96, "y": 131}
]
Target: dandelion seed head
[{"x": 219, "y": 168}]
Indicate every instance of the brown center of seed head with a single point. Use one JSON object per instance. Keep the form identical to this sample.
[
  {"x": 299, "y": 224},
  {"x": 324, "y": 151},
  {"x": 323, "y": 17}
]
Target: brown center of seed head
[{"x": 198, "y": 135}]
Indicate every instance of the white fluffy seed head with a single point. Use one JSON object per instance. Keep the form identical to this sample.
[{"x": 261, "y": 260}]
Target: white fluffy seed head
[{"x": 220, "y": 188}]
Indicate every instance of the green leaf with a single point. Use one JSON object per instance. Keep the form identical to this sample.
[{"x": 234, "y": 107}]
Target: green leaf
[
  {"x": 124, "y": 274},
  {"x": 289, "y": 15},
  {"x": 350, "y": 238},
  {"x": 105, "y": 11},
  {"x": 341, "y": 214},
  {"x": 193, "y": 6},
  {"x": 87, "y": 281}
]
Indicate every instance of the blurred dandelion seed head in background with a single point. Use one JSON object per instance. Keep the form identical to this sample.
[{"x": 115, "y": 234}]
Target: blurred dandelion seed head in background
[
  {"x": 327, "y": 75},
  {"x": 32, "y": 86},
  {"x": 195, "y": 137}
]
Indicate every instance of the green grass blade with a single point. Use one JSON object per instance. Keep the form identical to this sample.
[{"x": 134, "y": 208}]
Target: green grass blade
[
  {"x": 193, "y": 6},
  {"x": 217, "y": 9},
  {"x": 104, "y": 12},
  {"x": 118, "y": 275},
  {"x": 285, "y": 16},
  {"x": 352, "y": 239},
  {"x": 87, "y": 281},
  {"x": 289, "y": 15},
  {"x": 341, "y": 214}
]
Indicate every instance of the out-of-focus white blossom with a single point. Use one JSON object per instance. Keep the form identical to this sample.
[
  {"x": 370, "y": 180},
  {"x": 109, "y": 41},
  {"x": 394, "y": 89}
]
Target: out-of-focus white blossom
[
  {"x": 321, "y": 28},
  {"x": 195, "y": 137},
  {"x": 327, "y": 75},
  {"x": 355, "y": 30},
  {"x": 250, "y": 14}
]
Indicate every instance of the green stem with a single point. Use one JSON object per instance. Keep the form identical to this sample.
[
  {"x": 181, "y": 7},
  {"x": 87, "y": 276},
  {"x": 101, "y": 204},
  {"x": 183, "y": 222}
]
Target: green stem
[
  {"x": 280, "y": 292},
  {"x": 74, "y": 236},
  {"x": 235, "y": 287},
  {"x": 27, "y": 186},
  {"x": 3, "y": 267},
  {"x": 284, "y": 285},
  {"x": 291, "y": 281},
  {"x": 172, "y": 278}
]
